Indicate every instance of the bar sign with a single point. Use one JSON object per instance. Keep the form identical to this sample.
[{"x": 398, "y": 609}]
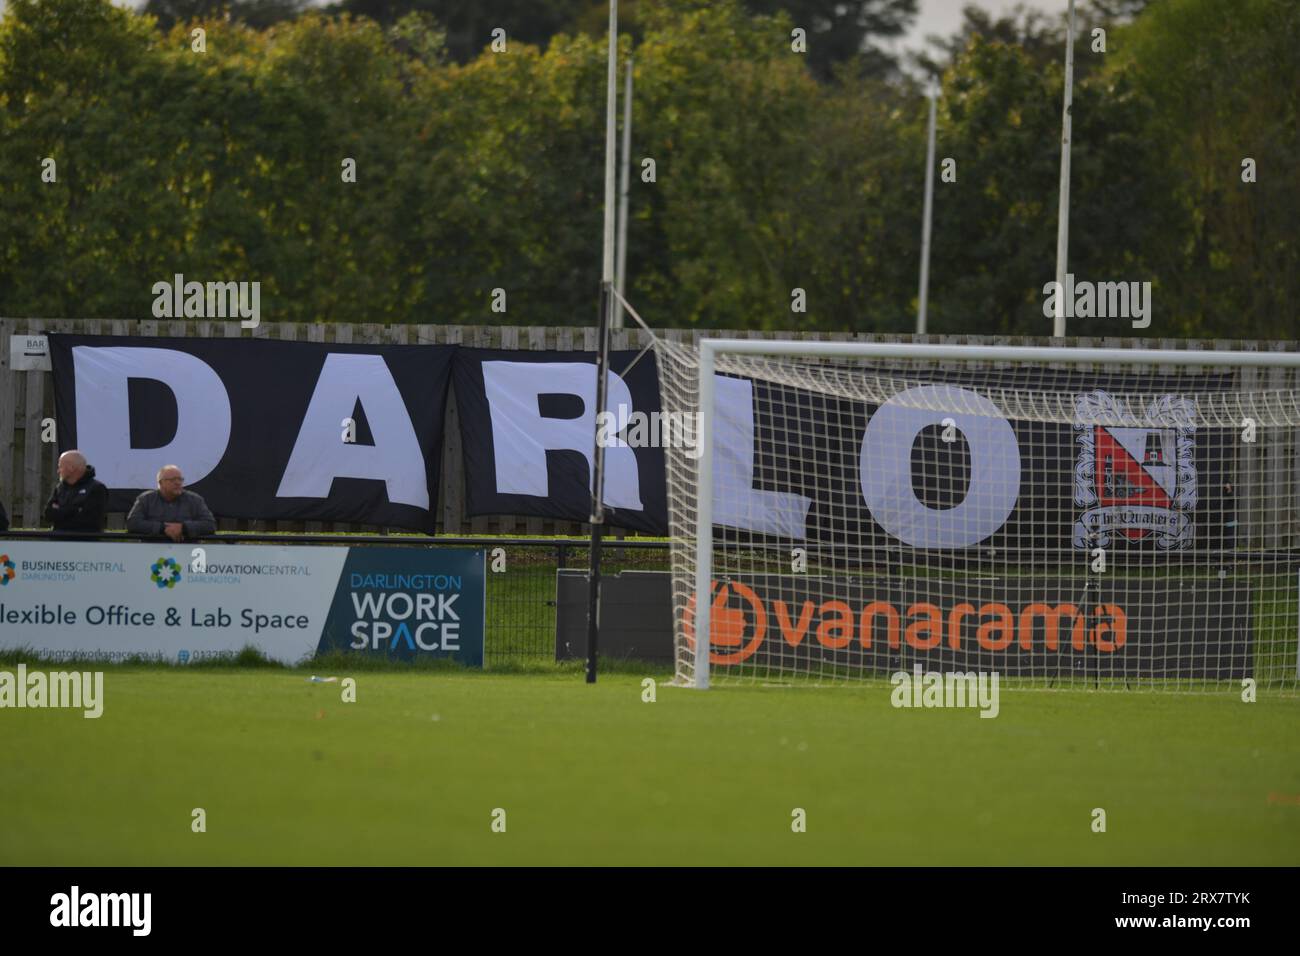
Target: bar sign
[{"x": 29, "y": 353}]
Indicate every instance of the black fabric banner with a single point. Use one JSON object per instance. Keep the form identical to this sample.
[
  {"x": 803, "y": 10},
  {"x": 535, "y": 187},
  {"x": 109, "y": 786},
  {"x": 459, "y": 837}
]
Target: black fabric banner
[
  {"x": 259, "y": 427},
  {"x": 528, "y": 426},
  {"x": 945, "y": 470},
  {"x": 1031, "y": 625}
]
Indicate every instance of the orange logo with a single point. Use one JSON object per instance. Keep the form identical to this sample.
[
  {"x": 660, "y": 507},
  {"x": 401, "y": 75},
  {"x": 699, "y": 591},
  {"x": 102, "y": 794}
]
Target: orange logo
[{"x": 727, "y": 624}]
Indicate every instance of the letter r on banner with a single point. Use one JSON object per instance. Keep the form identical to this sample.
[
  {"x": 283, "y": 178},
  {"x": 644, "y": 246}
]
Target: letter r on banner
[{"x": 521, "y": 435}]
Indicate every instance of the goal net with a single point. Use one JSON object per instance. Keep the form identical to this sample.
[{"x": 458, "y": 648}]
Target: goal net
[{"x": 1062, "y": 517}]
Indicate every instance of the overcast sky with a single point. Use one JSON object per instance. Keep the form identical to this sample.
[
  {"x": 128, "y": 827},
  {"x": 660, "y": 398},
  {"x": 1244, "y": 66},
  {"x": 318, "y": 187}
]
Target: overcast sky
[{"x": 944, "y": 16}]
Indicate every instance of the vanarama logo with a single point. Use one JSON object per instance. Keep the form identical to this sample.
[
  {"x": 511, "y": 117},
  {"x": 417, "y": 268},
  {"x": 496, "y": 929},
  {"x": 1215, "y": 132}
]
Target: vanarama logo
[
  {"x": 7, "y": 570},
  {"x": 738, "y": 632},
  {"x": 727, "y": 625},
  {"x": 165, "y": 572}
]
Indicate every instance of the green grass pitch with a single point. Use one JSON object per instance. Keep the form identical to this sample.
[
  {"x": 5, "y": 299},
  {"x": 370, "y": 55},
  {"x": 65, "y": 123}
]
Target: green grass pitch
[{"x": 411, "y": 773}]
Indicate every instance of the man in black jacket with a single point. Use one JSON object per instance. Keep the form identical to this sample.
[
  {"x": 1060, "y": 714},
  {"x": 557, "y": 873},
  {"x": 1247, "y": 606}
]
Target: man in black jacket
[
  {"x": 79, "y": 501},
  {"x": 4, "y": 518}
]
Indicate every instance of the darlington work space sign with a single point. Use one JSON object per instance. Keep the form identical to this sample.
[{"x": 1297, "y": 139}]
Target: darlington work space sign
[{"x": 117, "y": 600}]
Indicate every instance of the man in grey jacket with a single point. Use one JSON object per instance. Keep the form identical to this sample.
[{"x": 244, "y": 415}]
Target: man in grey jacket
[{"x": 171, "y": 510}]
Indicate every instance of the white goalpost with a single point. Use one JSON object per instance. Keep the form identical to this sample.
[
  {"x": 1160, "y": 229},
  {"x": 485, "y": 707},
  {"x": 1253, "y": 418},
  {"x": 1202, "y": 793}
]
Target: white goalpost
[{"x": 1066, "y": 517}]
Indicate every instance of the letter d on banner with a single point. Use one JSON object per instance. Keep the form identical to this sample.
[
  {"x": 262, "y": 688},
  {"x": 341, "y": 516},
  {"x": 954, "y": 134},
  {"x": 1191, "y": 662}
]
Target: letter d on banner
[{"x": 104, "y": 413}]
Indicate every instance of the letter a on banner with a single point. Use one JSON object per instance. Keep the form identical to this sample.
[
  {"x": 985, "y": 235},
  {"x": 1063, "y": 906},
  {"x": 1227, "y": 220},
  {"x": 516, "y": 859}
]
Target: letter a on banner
[{"x": 319, "y": 457}]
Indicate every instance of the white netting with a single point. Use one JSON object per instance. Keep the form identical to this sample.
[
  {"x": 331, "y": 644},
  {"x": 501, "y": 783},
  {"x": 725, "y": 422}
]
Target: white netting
[{"x": 1063, "y": 525}]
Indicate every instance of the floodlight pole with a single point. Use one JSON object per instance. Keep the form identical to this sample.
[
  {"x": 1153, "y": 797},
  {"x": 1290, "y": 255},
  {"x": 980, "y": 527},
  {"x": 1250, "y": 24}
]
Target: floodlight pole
[
  {"x": 933, "y": 93},
  {"x": 602, "y": 353},
  {"x": 620, "y": 274},
  {"x": 1063, "y": 213}
]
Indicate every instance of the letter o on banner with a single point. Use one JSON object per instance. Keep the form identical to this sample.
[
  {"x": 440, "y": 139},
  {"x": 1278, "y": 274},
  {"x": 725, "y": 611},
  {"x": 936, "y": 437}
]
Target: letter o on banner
[{"x": 885, "y": 467}]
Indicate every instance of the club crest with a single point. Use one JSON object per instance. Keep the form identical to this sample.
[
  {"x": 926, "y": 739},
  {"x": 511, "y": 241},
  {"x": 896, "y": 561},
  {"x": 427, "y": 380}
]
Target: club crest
[{"x": 1135, "y": 476}]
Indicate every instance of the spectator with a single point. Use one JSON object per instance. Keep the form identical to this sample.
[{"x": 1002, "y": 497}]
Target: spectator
[
  {"x": 79, "y": 501},
  {"x": 4, "y": 518},
  {"x": 171, "y": 510}
]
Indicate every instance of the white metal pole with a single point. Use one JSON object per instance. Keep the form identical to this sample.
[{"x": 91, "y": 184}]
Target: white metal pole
[
  {"x": 611, "y": 107},
  {"x": 607, "y": 265},
  {"x": 933, "y": 94},
  {"x": 624, "y": 174},
  {"x": 704, "y": 520},
  {"x": 1063, "y": 213}
]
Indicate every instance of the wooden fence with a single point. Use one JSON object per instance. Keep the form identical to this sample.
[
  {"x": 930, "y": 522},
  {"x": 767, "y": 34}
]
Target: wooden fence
[{"x": 27, "y": 465}]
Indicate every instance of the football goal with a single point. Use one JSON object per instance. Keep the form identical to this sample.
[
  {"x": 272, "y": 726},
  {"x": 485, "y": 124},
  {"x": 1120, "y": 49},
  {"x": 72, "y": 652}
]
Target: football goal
[{"x": 1065, "y": 517}]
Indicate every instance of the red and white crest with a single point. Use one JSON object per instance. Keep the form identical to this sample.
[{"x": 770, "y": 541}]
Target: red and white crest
[{"x": 1135, "y": 474}]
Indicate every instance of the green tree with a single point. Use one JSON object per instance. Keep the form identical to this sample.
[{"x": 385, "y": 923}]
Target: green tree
[
  {"x": 489, "y": 173},
  {"x": 469, "y": 23},
  {"x": 221, "y": 166},
  {"x": 726, "y": 117},
  {"x": 1226, "y": 88},
  {"x": 995, "y": 227},
  {"x": 71, "y": 72},
  {"x": 511, "y": 168},
  {"x": 846, "y": 31},
  {"x": 255, "y": 13}
]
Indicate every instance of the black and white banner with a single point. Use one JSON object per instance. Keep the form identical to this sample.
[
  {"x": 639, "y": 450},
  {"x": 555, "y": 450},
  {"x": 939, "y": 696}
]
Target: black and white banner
[
  {"x": 258, "y": 427},
  {"x": 938, "y": 466},
  {"x": 528, "y": 423}
]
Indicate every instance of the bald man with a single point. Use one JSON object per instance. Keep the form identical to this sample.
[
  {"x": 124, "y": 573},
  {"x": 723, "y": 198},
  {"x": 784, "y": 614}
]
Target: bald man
[
  {"x": 171, "y": 510},
  {"x": 79, "y": 501}
]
